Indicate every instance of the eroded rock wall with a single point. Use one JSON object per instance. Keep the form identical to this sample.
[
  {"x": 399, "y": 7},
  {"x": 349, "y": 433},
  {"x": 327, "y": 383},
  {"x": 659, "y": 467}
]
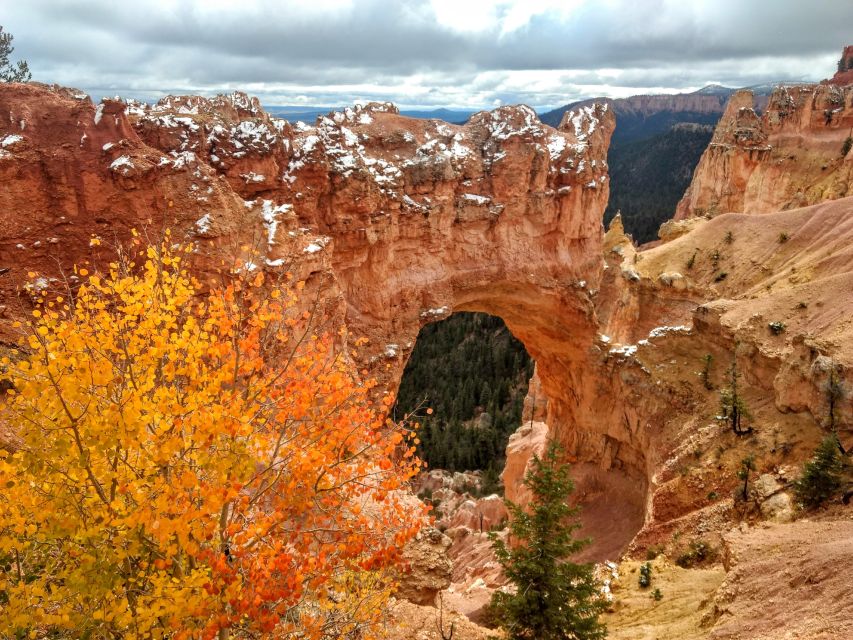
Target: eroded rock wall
[
  {"x": 393, "y": 222},
  {"x": 789, "y": 157}
]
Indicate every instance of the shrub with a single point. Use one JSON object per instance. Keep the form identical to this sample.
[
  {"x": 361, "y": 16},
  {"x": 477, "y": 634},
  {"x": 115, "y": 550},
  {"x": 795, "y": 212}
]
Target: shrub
[
  {"x": 747, "y": 465},
  {"x": 732, "y": 405},
  {"x": 657, "y": 596},
  {"x": 821, "y": 476},
  {"x": 654, "y": 551},
  {"x": 776, "y": 327},
  {"x": 706, "y": 371},
  {"x": 848, "y": 143},
  {"x": 697, "y": 552},
  {"x": 645, "y": 579},
  {"x": 783, "y": 237}
]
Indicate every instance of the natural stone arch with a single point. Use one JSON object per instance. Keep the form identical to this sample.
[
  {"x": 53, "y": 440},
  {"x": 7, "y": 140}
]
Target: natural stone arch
[{"x": 391, "y": 219}]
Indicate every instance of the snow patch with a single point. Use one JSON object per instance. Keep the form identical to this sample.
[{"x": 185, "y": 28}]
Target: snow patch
[
  {"x": 440, "y": 311},
  {"x": 122, "y": 164},
  {"x": 203, "y": 224},
  {"x": 270, "y": 215},
  {"x": 625, "y": 350},
  {"x": 9, "y": 140},
  {"x": 476, "y": 199},
  {"x": 658, "y": 332}
]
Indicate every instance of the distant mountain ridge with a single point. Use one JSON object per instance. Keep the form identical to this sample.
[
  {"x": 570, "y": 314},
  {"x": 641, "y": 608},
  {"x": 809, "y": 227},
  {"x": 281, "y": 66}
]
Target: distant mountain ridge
[{"x": 643, "y": 116}]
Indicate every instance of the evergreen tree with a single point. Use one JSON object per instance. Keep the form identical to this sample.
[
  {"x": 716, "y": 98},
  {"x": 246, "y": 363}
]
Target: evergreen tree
[
  {"x": 9, "y": 72},
  {"x": 462, "y": 367},
  {"x": 821, "y": 475},
  {"x": 834, "y": 396},
  {"x": 732, "y": 405},
  {"x": 554, "y": 599}
]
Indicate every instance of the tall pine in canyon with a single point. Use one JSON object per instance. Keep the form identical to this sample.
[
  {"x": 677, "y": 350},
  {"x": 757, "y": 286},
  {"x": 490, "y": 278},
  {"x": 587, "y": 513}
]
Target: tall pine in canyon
[{"x": 554, "y": 599}]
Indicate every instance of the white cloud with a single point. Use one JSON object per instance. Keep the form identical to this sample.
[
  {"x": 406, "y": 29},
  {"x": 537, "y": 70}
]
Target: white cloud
[{"x": 455, "y": 53}]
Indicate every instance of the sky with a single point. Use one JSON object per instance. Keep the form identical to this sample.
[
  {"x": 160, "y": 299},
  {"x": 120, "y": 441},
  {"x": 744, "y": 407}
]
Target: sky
[{"x": 464, "y": 54}]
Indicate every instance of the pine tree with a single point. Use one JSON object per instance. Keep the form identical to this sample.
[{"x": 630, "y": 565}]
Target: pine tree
[
  {"x": 834, "y": 395},
  {"x": 821, "y": 475},
  {"x": 554, "y": 599},
  {"x": 9, "y": 72},
  {"x": 732, "y": 404}
]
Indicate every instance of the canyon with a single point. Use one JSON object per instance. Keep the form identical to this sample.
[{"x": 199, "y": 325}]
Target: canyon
[{"x": 394, "y": 223}]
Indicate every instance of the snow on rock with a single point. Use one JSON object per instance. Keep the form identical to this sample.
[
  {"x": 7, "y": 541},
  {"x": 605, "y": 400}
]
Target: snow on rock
[
  {"x": 270, "y": 215},
  {"x": 507, "y": 122},
  {"x": 583, "y": 121},
  {"x": 203, "y": 224},
  {"x": 476, "y": 199},
  {"x": 182, "y": 159},
  {"x": 252, "y": 177},
  {"x": 440, "y": 311},
  {"x": 658, "y": 332},
  {"x": 317, "y": 245},
  {"x": 11, "y": 140},
  {"x": 625, "y": 350},
  {"x": 254, "y": 135},
  {"x": 122, "y": 164},
  {"x": 556, "y": 145}
]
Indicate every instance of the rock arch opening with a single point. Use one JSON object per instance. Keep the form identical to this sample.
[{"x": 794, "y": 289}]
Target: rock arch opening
[
  {"x": 583, "y": 400},
  {"x": 473, "y": 374}
]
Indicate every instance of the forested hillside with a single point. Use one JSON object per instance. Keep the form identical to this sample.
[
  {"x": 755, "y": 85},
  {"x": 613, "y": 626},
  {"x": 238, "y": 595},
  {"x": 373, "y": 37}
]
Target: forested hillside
[
  {"x": 648, "y": 177},
  {"x": 473, "y": 374}
]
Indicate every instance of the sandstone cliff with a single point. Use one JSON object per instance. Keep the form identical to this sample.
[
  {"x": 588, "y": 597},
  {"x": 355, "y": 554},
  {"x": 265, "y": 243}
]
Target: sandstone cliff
[
  {"x": 394, "y": 222},
  {"x": 844, "y": 75},
  {"x": 790, "y": 156}
]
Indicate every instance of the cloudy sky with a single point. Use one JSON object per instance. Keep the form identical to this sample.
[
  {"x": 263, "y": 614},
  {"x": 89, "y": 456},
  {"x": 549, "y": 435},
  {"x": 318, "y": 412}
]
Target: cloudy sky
[{"x": 423, "y": 53}]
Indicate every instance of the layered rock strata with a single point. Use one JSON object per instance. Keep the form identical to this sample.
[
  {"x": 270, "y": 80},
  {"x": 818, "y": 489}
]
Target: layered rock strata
[{"x": 790, "y": 156}]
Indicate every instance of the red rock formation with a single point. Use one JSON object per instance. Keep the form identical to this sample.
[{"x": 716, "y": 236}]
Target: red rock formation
[
  {"x": 397, "y": 222},
  {"x": 788, "y": 157},
  {"x": 844, "y": 75}
]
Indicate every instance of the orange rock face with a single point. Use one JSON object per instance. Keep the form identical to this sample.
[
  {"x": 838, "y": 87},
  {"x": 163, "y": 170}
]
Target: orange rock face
[
  {"x": 844, "y": 75},
  {"x": 789, "y": 157},
  {"x": 395, "y": 222}
]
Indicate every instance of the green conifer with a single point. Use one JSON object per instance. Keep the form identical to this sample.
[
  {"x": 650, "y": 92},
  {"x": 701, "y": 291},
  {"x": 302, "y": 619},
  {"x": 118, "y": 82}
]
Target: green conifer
[
  {"x": 554, "y": 599},
  {"x": 821, "y": 475}
]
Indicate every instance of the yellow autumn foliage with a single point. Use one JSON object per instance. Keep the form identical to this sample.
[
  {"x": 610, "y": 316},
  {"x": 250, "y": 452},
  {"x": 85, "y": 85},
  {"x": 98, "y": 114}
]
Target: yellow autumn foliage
[{"x": 193, "y": 465}]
